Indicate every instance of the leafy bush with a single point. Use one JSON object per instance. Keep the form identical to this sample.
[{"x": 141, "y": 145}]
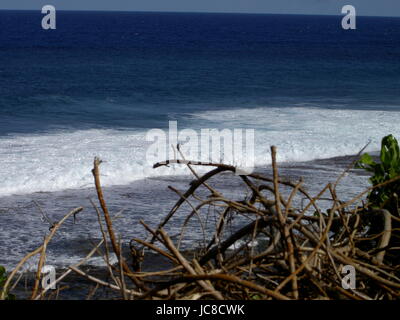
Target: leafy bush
[
  {"x": 3, "y": 278},
  {"x": 387, "y": 169}
]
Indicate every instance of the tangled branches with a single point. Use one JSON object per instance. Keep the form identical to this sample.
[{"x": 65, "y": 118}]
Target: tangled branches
[{"x": 260, "y": 246}]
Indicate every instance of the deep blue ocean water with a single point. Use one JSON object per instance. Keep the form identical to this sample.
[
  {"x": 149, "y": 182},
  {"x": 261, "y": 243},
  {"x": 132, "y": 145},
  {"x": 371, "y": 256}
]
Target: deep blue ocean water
[
  {"x": 136, "y": 70},
  {"x": 97, "y": 83},
  {"x": 100, "y": 81}
]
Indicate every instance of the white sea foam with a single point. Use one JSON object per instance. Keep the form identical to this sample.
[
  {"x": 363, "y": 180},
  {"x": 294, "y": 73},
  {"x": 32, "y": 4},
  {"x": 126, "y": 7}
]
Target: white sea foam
[
  {"x": 303, "y": 134},
  {"x": 63, "y": 160}
]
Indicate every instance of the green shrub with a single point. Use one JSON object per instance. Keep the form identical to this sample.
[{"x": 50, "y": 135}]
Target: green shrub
[
  {"x": 3, "y": 278},
  {"x": 385, "y": 170}
]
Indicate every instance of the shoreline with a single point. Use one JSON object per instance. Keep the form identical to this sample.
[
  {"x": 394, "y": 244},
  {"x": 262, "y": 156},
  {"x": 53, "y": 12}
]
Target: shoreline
[
  {"x": 158, "y": 267},
  {"x": 23, "y": 221},
  {"x": 339, "y": 160}
]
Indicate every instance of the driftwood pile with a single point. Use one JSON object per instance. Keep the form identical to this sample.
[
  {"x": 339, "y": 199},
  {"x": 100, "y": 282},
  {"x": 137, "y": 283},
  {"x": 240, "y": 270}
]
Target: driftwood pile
[{"x": 277, "y": 251}]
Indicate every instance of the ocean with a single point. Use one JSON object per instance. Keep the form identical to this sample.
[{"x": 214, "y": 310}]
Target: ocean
[{"x": 99, "y": 82}]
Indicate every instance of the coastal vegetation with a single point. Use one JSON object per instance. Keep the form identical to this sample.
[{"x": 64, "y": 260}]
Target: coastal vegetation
[
  {"x": 384, "y": 197},
  {"x": 260, "y": 245},
  {"x": 3, "y": 277}
]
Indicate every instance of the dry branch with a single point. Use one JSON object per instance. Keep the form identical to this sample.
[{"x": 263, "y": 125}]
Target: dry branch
[{"x": 281, "y": 250}]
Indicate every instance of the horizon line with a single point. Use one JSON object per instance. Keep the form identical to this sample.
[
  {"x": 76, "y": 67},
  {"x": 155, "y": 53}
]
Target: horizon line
[{"x": 202, "y": 12}]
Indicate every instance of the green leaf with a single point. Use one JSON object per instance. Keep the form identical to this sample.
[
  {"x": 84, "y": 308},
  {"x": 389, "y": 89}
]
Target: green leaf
[
  {"x": 366, "y": 159},
  {"x": 388, "y": 168}
]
